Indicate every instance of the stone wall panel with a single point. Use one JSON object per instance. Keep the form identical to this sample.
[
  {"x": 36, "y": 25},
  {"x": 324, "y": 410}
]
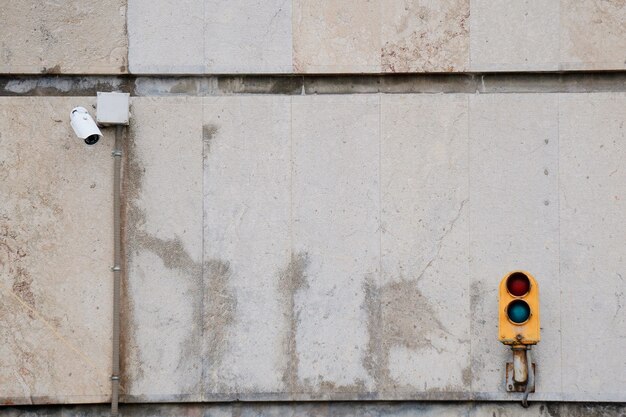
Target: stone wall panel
[{"x": 63, "y": 37}]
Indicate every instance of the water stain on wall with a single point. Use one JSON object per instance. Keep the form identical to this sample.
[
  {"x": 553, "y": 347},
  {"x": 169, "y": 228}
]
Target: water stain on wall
[
  {"x": 291, "y": 280},
  {"x": 208, "y": 133},
  {"x": 213, "y": 302},
  {"x": 219, "y": 314},
  {"x": 399, "y": 315}
]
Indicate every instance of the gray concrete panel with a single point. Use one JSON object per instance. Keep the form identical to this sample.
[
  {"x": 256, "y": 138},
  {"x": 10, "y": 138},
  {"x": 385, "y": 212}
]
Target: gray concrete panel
[
  {"x": 162, "y": 325},
  {"x": 593, "y": 258},
  {"x": 424, "y": 291},
  {"x": 247, "y": 36},
  {"x": 335, "y": 235},
  {"x": 250, "y": 274},
  {"x": 514, "y": 225},
  {"x": 514, "y": 36},
  {"x": 212, "y": 36},
  {"x": 166, "y": 38}
]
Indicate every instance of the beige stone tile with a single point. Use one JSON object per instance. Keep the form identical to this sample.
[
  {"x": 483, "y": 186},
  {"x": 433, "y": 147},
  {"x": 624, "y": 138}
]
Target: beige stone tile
[
  {"x": 336, "y": 36},
  {"x": 424, "y": 294},
  {"x": 248, "y": 276},
  {"x": 55, "y": 255},
  {"x": 335, "y": 233},
  {"x": 162, "y": 328},
  {"x": 514, "y": 224},
  {"x": 593, "y": 35},
  {"x": 593, "y": 227},
  {"x": 63, "y": 37},
  {"x": 425, "y": 36},
  {"x": 514, "y": 35}
]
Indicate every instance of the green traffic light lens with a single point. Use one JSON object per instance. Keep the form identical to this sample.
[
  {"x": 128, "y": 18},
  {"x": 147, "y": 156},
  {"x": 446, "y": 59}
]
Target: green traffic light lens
[{"x": 518, "y": 311}]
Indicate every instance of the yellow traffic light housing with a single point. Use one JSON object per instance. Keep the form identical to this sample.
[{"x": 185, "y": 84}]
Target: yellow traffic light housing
[{"x": 519, "y": 309}]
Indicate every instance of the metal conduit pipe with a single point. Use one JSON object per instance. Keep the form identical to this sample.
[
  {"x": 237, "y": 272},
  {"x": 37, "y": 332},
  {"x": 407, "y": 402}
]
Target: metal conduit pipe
[
  {"x": 117, "y": 269},
  {"x": 531, "y": 378}
]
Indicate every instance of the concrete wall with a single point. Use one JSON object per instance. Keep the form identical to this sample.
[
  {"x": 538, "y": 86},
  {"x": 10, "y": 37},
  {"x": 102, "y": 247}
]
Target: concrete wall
[
  {"x": 321, "y": 237},
  {"x": 315, "y": 247},
  {"x": 311, "y": 36}
]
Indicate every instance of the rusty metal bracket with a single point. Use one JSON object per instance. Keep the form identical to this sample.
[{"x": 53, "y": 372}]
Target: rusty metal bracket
[{"x": 511, "y": 385}]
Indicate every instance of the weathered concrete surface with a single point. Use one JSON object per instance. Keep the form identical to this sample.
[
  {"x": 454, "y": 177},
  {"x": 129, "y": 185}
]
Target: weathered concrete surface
[
  {"x": 592, "y": 257},
  {"x": 167, "y": 39},
  {"x": 317, "y": 247},
  {"x": 336, "y": 37},
  {"x": 162, "y": 330},
  {"x": 226, "y": 85},
  {"x": 330, "y": 409},
  {"x": 424, "y": 236},
  {"x": 353, "y": 243},
  {"x": 252, "y": 37},
  {"x": 593, "y": 35},
  {"x": 247, "y": 36},
  {"x": 213, "y": 36},
  {"x": 378, "y": 36},
  {"x": 336, "y": 211},
  {"x": 425, "y": 36},
  {"x": 55, "y": 255},
  {"x": 514, "y": 36},
  {"x": 249, "y": 272},
  {"x": 63, "y": 37},
  {"x": 514, "y": 224}
]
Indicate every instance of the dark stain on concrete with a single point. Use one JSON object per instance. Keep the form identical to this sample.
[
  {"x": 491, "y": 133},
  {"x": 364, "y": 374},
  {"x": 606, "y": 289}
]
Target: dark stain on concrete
[
  {"x": 52, "y": 70},
  {"x": 11, "y": 256},
  {"x": 21, "y": 287},
  {"x": 358, "y": 388},
  {"x": 171, "y": 251},
  {"x": 291, "y": 280},
  {"x": 219, "y": 314},
  {"x": 374, "y": 361},
  {"x": 131, "y": 219},
  {"x": 399, "y": 315},
  {"x": 185, "y": 86},
  {"x": 208, "y": 134},
  {"x": 466, "y": 376},
  {"x": 259, "y": 84},
  {"x": 214, "y": 301}
]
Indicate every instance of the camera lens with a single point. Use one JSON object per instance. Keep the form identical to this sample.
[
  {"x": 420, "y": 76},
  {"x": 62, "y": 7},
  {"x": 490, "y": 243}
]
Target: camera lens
[{"x": 92, "y": 139}]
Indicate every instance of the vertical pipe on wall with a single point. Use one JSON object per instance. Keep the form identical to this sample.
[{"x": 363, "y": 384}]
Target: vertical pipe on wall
[{"x": 117, "y": 270}]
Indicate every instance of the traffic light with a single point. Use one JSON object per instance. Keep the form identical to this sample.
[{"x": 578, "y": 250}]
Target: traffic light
[{"x": 519, "y": 309}]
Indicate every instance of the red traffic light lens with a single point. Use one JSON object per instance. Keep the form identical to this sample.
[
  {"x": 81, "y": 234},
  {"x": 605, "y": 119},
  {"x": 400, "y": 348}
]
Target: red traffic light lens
[
  {"x": 518, "y": 311},
  {"x": 518, "y": 284}
]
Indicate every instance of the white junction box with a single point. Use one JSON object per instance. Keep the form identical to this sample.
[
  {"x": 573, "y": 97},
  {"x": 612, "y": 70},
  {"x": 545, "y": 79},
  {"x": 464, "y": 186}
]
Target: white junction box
[{"x": 112, "y": 108}]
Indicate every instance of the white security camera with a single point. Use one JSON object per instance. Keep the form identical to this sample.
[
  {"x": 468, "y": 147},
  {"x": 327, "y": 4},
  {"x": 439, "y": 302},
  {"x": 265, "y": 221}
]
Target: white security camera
[{"x": 84, "y": 126}]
